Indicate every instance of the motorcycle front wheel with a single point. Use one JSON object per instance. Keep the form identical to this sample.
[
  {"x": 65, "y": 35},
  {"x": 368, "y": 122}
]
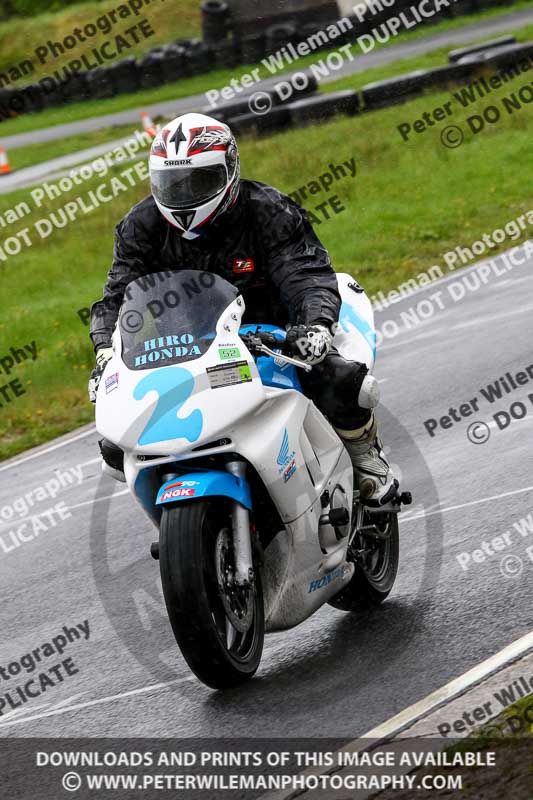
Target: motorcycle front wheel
[{"x": 218, "y": 625}]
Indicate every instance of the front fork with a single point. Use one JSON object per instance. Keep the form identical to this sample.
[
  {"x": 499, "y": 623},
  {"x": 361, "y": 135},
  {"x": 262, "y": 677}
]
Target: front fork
[{"x": 242, "y": 539}]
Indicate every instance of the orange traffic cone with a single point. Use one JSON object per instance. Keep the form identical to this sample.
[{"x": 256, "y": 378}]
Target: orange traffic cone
[
  {"x": 148, "y": 124},
  {"x": 5, "y": 169}
]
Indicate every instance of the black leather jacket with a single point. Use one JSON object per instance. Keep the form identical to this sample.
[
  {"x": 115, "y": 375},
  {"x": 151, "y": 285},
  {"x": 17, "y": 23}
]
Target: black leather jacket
[{"x": 264, "y": 246}]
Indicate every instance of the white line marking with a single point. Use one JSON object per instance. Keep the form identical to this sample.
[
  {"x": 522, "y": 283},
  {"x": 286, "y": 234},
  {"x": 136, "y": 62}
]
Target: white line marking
[
  {"x": 69, "y": 508},
  {"x": 100, "y": 701},
  {"x": 527, "y": 418},
  {"x": 92, "y": 461},
  {"x": 11, "y": 464},
  {"x": 67, "y": 700},
  {"x": 456, "y": 687},
  {"x": 425, "y": 335},
  {"x": 514, "y": 281},
  {"x": 18, "y": 712},
  {"x": 418, "y": 508},
  {"x": 466, "y": 505},
  {"x": 392, "y": 727},
  {"x": 100, "y": 499},
  {"x": 84, "y": 481},
  {"x": 491, "y": 318}
]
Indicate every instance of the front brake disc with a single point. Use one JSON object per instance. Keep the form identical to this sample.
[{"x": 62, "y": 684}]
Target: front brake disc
[{"x": 238, "y": 601}]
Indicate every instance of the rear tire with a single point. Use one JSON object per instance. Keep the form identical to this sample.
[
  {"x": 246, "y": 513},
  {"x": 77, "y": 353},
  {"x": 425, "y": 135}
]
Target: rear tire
[
  {"x": 375, "y": 572},
  {"x": 195, "y": 550}
]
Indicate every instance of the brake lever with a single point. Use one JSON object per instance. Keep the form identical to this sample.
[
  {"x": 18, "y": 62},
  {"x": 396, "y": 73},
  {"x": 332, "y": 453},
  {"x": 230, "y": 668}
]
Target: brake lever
[
  {"x": 256, "y": 346},
  {"x": 287, "y": 359}
]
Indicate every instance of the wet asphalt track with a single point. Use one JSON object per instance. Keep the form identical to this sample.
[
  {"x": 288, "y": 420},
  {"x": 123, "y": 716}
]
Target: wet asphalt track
[{"x": 336, "y": 674}]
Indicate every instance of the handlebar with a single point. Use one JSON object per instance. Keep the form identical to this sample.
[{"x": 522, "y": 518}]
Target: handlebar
[
  {"x": 266, "y": 344},
  {"x": 268, "y": 339}
]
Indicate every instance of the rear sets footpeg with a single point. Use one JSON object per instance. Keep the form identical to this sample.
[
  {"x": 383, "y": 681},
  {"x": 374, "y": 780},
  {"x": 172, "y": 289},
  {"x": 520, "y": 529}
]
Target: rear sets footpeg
[{"x": 394, "y": 506}]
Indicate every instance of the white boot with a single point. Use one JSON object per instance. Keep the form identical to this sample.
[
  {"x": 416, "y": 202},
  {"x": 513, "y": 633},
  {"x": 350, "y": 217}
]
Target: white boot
[{"x": 373, "y": 475}]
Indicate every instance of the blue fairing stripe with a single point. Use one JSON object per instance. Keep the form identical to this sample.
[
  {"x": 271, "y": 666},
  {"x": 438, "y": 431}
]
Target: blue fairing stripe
[
  {"x": 349, "y": 314},
  {"x": 205, "y": 484},
  {"x": 279, "y": 376}
]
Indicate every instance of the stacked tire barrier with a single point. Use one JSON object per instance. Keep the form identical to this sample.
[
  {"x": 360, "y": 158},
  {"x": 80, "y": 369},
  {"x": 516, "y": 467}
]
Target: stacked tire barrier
[
  {"x": 315, "y": 108},
  {"x": 215, "y": 21},
  {"x": 222, "y": 47},
  {"x": 241, "y": 116}
]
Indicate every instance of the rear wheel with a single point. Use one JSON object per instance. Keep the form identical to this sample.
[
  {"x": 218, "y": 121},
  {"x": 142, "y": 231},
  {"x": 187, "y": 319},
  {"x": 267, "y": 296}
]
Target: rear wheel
[
  {"x": 375, "y": 556},
  {"x": 218, "y": 625}
]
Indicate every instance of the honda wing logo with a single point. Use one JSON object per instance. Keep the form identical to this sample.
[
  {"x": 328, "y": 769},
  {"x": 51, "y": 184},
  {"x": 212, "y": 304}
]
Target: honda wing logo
[
  {"x": 283, "y": 457},
  {"x": 286, "y": 460}
]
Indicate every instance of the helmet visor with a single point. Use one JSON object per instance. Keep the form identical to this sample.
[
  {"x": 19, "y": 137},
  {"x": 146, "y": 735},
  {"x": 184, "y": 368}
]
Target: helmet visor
[{"x": 188, "y": 187}]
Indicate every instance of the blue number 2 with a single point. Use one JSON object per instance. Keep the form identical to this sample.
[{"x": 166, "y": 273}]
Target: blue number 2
[{"x": 174, "y": 386}]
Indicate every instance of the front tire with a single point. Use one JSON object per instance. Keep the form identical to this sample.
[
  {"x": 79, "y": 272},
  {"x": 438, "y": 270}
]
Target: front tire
[
  {"x": 376, "y": 565},
  {"x": 218, "y": 626}
]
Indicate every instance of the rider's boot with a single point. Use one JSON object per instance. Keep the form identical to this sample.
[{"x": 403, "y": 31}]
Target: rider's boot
[{"x": 372, "y": 472}]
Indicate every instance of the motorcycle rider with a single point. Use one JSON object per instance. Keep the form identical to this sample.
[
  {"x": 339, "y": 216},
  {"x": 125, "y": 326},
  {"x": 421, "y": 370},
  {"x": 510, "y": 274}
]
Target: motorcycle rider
[{"x": 202, "y": 215}]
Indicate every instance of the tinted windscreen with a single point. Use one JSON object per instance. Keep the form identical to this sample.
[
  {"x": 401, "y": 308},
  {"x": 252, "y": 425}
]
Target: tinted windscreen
[{"x": 170, "y": 317}]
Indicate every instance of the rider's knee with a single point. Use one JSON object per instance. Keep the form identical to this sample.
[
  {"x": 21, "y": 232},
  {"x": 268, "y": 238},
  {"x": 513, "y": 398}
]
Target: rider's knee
[
  {"x": 347, "y": 393},
  {"x": 353, "y": 383}
]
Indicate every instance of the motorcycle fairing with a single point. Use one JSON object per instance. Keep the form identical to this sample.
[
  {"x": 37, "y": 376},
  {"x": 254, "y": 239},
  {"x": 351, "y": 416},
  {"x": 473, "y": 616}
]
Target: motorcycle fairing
[
  {"x": 355, "y": 338},
  {"x": 214, "y": 483},
  {"x": 252, "y": 423},
  {"x": 174, "y": 386},
  {"x": 172, "y": 408}
]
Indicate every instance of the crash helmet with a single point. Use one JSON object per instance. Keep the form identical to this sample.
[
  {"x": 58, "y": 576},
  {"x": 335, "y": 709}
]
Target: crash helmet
[{"x": 194, "y": 172}]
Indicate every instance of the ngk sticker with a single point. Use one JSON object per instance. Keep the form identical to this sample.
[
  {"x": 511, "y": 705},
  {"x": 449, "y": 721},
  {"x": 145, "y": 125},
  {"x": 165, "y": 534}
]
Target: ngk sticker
[{"x": 178, "y": 493}]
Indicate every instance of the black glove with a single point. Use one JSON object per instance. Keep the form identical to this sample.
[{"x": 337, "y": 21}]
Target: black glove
[
  {"x": 309, "y": 343},
  {"x": 103, "y": 356}
]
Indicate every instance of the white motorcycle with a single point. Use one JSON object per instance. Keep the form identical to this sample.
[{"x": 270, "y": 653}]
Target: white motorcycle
[{"x": 250, "y": 487}]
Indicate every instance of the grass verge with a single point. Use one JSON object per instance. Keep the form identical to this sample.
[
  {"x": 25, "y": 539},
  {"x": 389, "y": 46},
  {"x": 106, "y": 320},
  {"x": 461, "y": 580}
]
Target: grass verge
[
  {"x": 21, "y": 36},
  {"x": 200, "y": 84},
  {"x": 28, "y": 155},
  {"x": 510, "y": 777}
]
